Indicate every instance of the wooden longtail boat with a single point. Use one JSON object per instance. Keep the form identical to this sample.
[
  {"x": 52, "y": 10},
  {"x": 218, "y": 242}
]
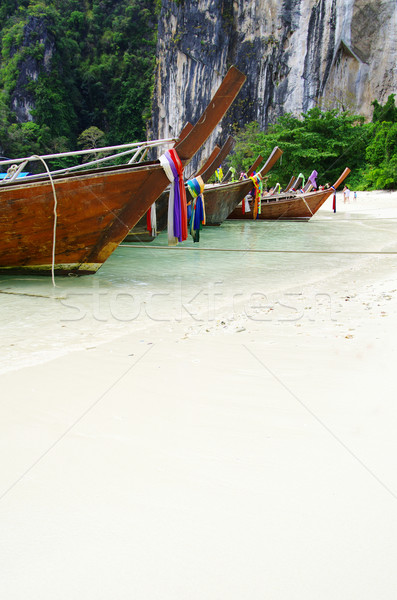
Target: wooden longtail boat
[
  {"x": 94, "y": 209},
  {"x": 140, "y": 233},
  {"x": 291, "y": 205},
  {"x": 222, "y": 199}
]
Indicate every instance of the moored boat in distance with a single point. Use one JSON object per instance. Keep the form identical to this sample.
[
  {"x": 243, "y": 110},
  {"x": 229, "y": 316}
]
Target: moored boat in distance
[
  {"x": 291, "y": 205},
  {"x": 222, "y": 199},
  {"x": 70, "y": 223}
]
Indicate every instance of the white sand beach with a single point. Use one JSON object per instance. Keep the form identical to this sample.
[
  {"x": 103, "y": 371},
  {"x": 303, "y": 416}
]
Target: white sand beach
[{"x": 247, "y": 455}]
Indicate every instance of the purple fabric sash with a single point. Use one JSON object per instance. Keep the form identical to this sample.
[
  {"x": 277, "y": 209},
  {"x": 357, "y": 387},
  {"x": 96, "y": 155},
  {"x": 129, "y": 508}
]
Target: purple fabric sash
[
  {"x": 312, "y": 179},
  {"x": 177, "y": 199}
]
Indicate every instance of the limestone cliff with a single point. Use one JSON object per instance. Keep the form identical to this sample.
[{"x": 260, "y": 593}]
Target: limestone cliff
[
  {"x": 22, "y": 99},
  {"x": 296, "y": 54}
]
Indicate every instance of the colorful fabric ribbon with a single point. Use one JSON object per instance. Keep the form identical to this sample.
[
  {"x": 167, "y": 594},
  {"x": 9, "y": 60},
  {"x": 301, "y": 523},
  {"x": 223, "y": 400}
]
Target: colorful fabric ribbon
[
  {"x": 177, "y": 209},
  {"x": 219, "y": 173},
  {"x": 151, "y": 220},
  {"x": 257, "y": 181},
  {"x": 197, "y": 219},
  {"x": 312, "y": 179},
  {"x": 300, "y": 176},
  {"x": 246, "y": 204}
]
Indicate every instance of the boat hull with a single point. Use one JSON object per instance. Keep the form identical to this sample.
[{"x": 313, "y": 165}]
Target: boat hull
[
  {"x": 220, "y": 200},
  {"x": 302, "y": 206},
  {"x": 94, "y": 213},
  {"x": 140, "y": 233}
]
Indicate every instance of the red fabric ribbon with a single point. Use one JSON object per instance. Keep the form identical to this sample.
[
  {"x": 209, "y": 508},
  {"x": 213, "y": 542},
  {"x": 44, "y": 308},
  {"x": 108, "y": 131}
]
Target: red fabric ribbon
[{"x": 149, "y": 220}]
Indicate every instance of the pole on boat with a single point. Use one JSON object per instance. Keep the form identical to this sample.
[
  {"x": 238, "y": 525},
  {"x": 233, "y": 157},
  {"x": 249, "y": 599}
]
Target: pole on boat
[
  {"x": 338, "y": 182},
  {"x": 273, "y": 158},
  {"x": 221, "y": 101},
  {"x": 218, "y": 159}
]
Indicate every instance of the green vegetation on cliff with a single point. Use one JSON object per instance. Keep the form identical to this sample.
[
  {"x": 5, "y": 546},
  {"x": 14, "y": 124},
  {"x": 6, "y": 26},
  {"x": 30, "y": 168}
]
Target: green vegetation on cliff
[
  {"x": 327, "y": 141},
  {"x": 381, "y": 152},
  {"x": 71, "y": 65}
]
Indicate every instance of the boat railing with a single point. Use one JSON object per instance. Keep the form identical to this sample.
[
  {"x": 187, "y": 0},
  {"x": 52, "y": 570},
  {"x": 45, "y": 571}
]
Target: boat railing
[
  {"x": 137, "y": 149},
  {"x": 287, "y": 195}
]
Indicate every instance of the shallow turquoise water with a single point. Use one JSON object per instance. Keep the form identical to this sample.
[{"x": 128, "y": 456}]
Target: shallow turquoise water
[{"x": 141, "y": 286}]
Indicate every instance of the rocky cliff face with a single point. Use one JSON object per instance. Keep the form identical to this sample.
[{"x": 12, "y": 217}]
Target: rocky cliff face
[
  {"x": 296, "y": 54},
  {"x": 22, "y": 100}
]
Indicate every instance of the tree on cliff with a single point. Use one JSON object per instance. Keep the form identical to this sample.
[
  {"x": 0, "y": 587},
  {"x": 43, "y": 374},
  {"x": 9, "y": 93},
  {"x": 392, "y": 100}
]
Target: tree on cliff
[
  {"x": 326, "y": 141},
  {"x": 387, "y": 113},
  {"x": 381, "y": 152}
]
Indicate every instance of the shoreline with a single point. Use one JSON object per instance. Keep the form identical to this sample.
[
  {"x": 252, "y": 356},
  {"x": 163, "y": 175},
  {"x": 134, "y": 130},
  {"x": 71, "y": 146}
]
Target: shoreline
[
  {"x": 222, "y": 305},
  {"x": 240, "y": 457}
]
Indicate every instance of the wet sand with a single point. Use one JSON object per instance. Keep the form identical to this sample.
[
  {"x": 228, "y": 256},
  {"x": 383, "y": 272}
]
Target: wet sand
[{"x": 250, "y": 456}]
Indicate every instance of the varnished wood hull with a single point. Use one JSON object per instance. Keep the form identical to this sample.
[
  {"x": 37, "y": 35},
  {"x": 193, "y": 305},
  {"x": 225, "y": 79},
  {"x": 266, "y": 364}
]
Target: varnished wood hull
[
  {"x": 94, "y": 212},
  {"x": 221, "y": 199},
  {"x": 297, "y": 207}
]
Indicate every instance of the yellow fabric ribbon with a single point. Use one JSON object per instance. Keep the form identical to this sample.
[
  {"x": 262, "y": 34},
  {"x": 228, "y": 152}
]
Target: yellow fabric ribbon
[{"x": 257, "y": 181}]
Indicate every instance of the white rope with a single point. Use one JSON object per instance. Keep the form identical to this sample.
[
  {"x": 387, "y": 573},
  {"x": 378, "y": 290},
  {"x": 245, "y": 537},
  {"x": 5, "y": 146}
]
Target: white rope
[
  {"x": 83, "y": 166},
  {"x": 11, "y": 172},
  {"x": 35, "y": 156},
  {"x": 308, "y": 207},
  {"x": 18, "y": 170}
]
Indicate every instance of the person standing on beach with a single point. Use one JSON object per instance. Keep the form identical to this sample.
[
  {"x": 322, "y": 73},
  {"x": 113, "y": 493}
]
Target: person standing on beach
[
  {"x": 346, "y": 194},
  {"x": 355, "y": 196}
]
